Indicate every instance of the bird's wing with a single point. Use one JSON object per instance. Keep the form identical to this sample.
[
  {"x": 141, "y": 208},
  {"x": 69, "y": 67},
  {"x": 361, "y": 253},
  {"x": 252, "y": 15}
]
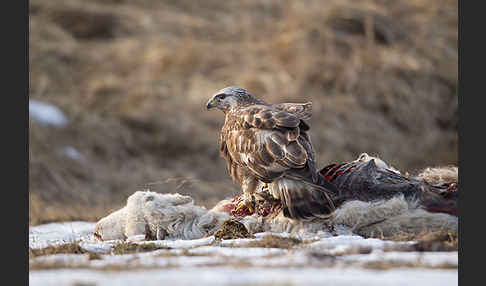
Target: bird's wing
[
  {"x": 301, "y": 110},
  {"x": 268, "y": 141},
  {"x": 267, "y": 117}
]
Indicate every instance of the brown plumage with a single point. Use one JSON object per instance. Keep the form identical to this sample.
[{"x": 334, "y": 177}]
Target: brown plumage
[{"x": 268, "y": 143}]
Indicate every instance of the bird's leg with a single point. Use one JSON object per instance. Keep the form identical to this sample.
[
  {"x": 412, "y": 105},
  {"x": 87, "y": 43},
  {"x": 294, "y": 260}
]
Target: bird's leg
[
  {"x": 245, "y": 203},
  {"x": 249, "y": 186},
  {"x": 260, "y": 193}
]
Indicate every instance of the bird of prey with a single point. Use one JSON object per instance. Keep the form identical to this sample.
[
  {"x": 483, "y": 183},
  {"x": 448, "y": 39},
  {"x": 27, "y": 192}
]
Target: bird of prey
[{"x": 267, "y": 145}]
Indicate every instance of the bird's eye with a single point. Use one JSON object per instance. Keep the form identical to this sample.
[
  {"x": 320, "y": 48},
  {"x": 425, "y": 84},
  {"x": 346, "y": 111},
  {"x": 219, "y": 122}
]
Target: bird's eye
[{"x": 221, "y": 96}]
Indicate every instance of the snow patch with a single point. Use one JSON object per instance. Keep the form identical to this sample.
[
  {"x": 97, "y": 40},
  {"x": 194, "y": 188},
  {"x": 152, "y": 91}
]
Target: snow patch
[
  {"x": 47, "y": 114},
  {"x": 60, "y": 233},
  {"x": 180, "y": 243},
  {"x": 73, "y": 153},
  {"x": 216, "y": 276},
  {"x": 207, "y": 261},
  {"x": 432, "y": 259},
  {"x": 237, "y": 252}
]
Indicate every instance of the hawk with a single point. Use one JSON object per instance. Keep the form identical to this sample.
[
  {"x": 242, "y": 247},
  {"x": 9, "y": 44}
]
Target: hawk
[{"x": 267, "y": 145}]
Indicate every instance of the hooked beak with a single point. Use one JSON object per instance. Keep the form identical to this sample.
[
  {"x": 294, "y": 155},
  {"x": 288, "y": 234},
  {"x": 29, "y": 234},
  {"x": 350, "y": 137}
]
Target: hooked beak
[{"x": 212, "y": 103}]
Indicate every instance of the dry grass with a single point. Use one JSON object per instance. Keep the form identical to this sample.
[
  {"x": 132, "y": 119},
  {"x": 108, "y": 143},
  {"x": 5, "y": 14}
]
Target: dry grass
[
  {"x": 438, "y": 241},
  {"x": 74, "y": 248},
  {"x": 272, "y": 241},
  {"x": 387, "y": 265},
  {"x": 67, "y": 248},
  {"x": 427, "y": 241},
  {"x": 130, "y": 247},
  {"x": 133, "y": 77}
]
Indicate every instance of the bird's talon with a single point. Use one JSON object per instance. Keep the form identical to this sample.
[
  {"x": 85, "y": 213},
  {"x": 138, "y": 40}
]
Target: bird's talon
[
  {"x": 240, "y": 207},
  {"x": 244, "y": 207}
]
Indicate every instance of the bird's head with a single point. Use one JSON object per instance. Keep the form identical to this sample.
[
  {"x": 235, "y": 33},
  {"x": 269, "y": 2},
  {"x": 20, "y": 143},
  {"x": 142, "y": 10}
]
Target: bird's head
[{"x": 230, "y": 97}]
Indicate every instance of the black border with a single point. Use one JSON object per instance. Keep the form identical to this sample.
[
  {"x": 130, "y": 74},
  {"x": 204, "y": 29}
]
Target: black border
[
  {"x": 471, "y": 173},
  {"x": 460, "y": 143},
  {"x": 15, "y": 119}
]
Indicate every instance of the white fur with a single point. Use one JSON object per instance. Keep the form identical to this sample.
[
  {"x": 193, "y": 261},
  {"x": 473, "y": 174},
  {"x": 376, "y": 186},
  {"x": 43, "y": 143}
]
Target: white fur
[
  {"x": 364, "y": 157},
  {"x": 113, "y": 226},
  {"x": 440, "y": 175},
  {"x": 165, "y": 215},
  {"x": 390, "y": 217},
  {"x": 413, "y": 222},
  {"x": 357, "y": 214},
  {"x": 175, "y": 216}
]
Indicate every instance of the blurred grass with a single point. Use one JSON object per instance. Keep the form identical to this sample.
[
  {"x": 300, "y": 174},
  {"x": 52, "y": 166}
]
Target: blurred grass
[{"x": 134, "y": 76}]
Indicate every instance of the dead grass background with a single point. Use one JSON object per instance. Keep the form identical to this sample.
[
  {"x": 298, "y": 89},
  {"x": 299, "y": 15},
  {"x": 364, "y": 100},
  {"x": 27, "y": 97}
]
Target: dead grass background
[{"x": 134, "y": 77}]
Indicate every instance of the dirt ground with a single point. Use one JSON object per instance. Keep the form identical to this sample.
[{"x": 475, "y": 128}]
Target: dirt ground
[{"x": 134, "y": 77}]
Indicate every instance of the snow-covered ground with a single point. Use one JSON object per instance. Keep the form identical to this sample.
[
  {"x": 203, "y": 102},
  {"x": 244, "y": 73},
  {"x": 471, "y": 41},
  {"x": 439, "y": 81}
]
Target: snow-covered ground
[{"x": 324, "y": 259}]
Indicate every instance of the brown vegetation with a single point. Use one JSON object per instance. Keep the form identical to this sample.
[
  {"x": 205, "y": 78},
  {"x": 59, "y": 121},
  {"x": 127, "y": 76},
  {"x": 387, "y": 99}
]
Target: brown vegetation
[
  {"x": 273, "y": 241},
  {"x": 232, "y": 229},
  {"x": 134, "y": 77},
  {"x": 427, "y": 241},
  {"x": 130, "y": 247},
  {"x": 66, "y": 248}
]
